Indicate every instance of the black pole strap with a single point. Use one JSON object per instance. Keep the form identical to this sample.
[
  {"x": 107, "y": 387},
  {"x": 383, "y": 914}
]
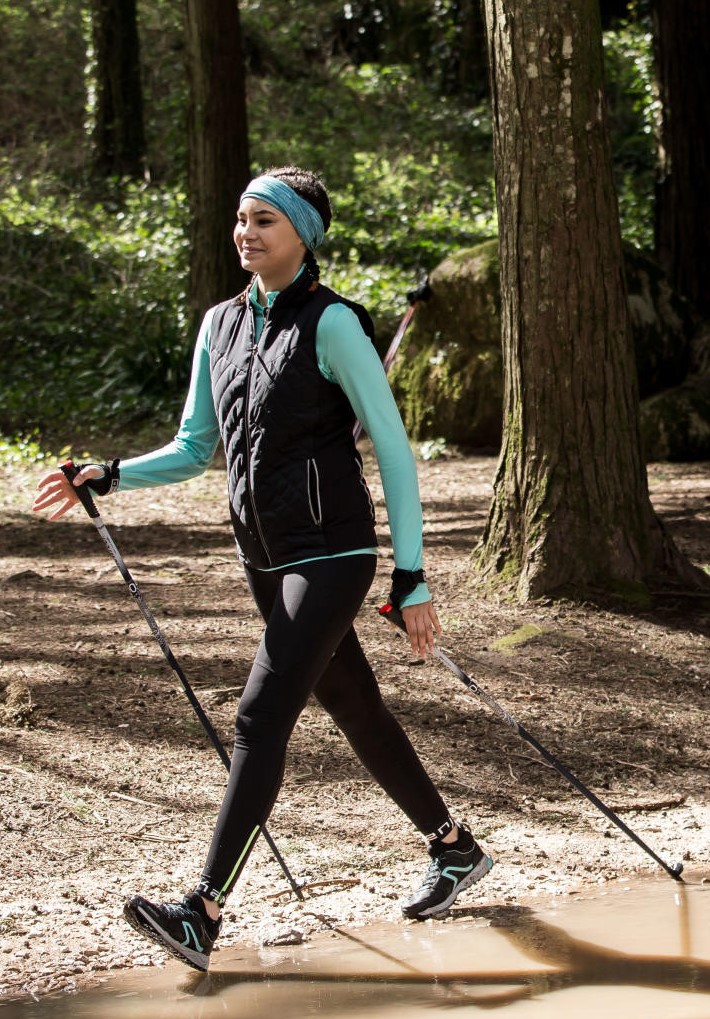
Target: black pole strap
[
  {"x": 70, "y": 471},
  {"x": 393, "y": 615}
]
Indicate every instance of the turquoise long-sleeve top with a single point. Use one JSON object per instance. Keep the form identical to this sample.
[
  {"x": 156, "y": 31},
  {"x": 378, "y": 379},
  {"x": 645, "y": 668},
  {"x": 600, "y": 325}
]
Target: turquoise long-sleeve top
[{"x": 347, "y": 358}]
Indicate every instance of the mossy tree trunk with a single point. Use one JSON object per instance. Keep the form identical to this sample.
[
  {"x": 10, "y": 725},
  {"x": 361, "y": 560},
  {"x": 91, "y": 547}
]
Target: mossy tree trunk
[
  {"x": 682, "y": 48},
  {"x": 218, "y": 168},
  {"x": 571, "y": 510},
  {"x": 118, "y": 136}
]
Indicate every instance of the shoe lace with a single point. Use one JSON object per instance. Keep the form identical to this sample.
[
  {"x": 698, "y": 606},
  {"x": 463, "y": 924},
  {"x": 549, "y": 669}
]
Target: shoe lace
[
  {"x": 177, "y": 910},
  {"x": 432, "y": 875}
]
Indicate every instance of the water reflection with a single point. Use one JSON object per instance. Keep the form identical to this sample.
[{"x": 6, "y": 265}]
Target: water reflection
[{"x": 641, "y": 950}]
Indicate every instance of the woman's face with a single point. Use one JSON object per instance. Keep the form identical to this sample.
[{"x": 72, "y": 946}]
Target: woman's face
[{"x": 267, "y": 242}]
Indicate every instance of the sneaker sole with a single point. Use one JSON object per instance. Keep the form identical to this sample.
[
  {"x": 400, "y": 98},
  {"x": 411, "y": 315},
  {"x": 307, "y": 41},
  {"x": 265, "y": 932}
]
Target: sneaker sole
[
  {"x": 479, "y": 871},
  {"x": 141, "y": 922}
]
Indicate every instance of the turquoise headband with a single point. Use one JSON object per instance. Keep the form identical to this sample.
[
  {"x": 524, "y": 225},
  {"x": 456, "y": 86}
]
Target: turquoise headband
[{"x": 307, "y": 221}]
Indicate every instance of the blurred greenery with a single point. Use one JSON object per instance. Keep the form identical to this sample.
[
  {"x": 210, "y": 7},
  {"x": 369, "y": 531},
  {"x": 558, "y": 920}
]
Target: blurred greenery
[
  {"x": 21, "y": 451},
  {"x": 93, "y": 273},
  {"x": 634, "y": 116},
  {"x": 92, "y": 302}
]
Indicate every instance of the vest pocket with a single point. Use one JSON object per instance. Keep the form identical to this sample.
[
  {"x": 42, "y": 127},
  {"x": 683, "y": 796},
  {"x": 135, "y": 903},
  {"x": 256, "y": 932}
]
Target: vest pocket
[
  {"x": 365, "y": 487},
  {"x": 313, "y": 488}
]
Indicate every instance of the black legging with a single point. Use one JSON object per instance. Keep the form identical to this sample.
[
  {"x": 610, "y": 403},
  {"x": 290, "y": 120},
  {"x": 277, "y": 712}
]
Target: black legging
[{"x": 309, "y": 646}]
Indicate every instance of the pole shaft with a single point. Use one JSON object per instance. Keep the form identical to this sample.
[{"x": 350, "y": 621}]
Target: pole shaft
[
  {"x": 394, "y": 615},
  {"x": 89, "y": 505}
]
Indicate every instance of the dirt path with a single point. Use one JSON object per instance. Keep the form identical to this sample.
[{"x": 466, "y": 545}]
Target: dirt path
[{"x": 109, "y": 787}]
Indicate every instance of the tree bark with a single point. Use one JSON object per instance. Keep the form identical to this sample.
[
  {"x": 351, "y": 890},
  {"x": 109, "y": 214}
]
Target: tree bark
[
  {"x": 218, "y": 162},
  {"x": 571, "y": 512},
  {"x": 119, "y": 137},
  {"x": 682, "y": 50}
]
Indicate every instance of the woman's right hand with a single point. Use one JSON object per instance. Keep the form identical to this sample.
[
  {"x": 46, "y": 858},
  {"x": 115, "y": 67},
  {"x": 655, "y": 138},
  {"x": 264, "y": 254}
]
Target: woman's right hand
[{"x": 55, "y": 490}]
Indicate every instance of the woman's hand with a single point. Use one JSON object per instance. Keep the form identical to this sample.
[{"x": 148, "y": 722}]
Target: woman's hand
[
  {"x": 422, "y": 623},
  {"x": 55, "y": 489}
]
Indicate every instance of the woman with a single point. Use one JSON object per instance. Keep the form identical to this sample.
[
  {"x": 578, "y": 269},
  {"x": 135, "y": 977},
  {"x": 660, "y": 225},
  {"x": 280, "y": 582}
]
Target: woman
[{"x": 281, "y": 373}]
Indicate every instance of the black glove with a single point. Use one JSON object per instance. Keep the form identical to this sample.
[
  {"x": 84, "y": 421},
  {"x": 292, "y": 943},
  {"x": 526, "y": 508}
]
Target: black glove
[
  {"x": 403, "y": 583},
  {"x": 106, "y": 484}
]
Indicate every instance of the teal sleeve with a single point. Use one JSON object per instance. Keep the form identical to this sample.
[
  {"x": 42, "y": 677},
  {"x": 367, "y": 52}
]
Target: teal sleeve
[
  {"x": 192, "y": 449},
  {"x": 346, "y": 356}
]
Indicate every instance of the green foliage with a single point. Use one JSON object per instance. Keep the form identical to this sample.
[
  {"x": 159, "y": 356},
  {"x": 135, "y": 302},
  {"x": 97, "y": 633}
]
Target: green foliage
[
  {"x": 370, "y": 94},
  {"x": 282, "y": 35},
  {"x": 42, "y": 87},
  {"x": 410, "y": 172},
  {"x": 634, "y": 109},
  {"x": 93, "y": 292},
  {"x": 405, "y": 212},
  {"x": 440, "y": 41},
  {"x": 95, "y": 281},
  {"x": 432, "y": 449},
  {"x": 165, "y": 88},
  {"x": 22, "y": 451}
]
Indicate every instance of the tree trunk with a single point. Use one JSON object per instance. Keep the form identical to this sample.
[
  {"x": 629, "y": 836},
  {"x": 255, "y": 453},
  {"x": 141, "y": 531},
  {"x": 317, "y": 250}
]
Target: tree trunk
[
  {"x": 614, "y": 10},
  {"x": 682, "y": 48},
  {"x": 571, "y": 512},
  {"x": 471, "y": 62},
  {"x": 119, "y": 138},
  {"x": 218, "y": 164}
]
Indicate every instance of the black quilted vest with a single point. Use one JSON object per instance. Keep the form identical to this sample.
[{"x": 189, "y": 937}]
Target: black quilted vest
[{"x": 296, "y": 487}]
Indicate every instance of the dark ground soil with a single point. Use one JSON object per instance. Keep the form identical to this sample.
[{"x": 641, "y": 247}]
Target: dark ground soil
[{"x": 109, "y": 786}]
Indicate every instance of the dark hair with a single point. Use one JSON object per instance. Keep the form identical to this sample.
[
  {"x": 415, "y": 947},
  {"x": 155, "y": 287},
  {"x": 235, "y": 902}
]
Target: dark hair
[{"x": 311, "y": 188}]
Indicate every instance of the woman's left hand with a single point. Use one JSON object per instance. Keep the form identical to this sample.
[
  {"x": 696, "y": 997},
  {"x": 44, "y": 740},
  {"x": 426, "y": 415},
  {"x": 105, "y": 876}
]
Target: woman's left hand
[{"x": 422, "y": 623}]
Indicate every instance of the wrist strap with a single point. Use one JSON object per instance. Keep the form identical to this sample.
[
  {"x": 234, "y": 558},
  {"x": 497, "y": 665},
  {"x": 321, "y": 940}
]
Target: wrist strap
[
  {"x": 107, "y": 484},
  {"x": 403, "y": 583}
]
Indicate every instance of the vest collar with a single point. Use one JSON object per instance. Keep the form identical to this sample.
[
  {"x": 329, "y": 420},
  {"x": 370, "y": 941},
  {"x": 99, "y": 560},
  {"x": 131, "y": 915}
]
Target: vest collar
[{"x": 295, "y": 294}]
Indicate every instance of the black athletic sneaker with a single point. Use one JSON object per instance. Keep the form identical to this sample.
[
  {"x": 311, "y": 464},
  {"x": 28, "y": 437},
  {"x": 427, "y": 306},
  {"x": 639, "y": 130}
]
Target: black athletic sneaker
[
  {"x": 453, "y": 867},
  {"x": 183, "y": 929}
]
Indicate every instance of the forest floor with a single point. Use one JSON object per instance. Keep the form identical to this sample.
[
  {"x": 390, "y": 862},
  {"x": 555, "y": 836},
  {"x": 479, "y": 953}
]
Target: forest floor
[{"x": 108, "y": 786}]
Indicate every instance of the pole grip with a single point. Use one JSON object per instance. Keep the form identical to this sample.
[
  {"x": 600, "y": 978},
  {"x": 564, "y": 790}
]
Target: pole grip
[
  {"x": 70, "y": 470},
  {"x": 393, "y": 615}
]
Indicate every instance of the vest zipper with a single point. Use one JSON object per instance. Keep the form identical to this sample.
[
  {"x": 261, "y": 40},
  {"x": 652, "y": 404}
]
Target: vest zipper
[
  {"x": 250, "y": 487},
  {"x": 313, "y": 489}
]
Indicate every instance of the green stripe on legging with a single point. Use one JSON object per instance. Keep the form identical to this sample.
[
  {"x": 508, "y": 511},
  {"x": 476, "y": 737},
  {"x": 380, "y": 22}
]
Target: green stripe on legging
[{"x": 237, "y": 865}]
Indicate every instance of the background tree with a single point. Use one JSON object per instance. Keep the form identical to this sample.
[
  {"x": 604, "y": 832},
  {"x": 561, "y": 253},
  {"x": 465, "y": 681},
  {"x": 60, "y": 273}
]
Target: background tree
[
  {"x": 459, "y": 40},
  {"x": 443, "y": 40},
  {"x": 682, "y": 51},
  {"x": 571, "y": 510},
  {"x": 407, "y": 156},
  {"x": 118, "y": 136},
  {"x": 218, "y": 159}
]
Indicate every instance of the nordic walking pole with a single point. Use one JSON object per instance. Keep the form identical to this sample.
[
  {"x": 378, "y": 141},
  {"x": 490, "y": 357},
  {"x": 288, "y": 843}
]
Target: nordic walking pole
[
  {"x": 422, "y": 293},
  {"x": 393, "y": 615},
  {"x": 70, "y": 471}
]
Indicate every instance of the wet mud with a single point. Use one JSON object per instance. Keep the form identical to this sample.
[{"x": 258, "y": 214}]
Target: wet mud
[{"x": 632, "y": 948}]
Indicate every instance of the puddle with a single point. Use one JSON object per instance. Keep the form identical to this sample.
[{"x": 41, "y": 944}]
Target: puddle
[{"x": 632, "y": 949}]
